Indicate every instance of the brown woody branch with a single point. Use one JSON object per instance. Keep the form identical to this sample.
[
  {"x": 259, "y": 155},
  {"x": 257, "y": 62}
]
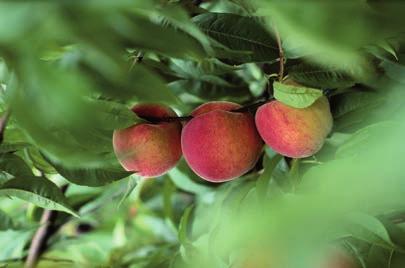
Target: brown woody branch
[
  {"x": 3, "y": 123},
  {"x": 167, "y": 119},
  {"x": 252, "y": 107},
  {"x": 42, "y": 235},
  {"x": 248, "y": 108}
]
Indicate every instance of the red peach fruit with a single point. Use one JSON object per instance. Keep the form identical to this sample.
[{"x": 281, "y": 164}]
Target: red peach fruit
[
  {"x": 220, "y": 144},
  {"x": 149, "y": 149},
  {"x": 294, "y": 132}
]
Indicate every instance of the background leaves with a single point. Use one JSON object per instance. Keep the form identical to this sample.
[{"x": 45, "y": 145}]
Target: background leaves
[
  {"x": 235, "y": 32},
  {"x": 314, "y": 76}
]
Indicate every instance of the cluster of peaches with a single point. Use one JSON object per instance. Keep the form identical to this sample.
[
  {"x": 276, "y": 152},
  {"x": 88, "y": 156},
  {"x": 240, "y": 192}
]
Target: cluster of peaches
[{"x": 221, "y": 141}]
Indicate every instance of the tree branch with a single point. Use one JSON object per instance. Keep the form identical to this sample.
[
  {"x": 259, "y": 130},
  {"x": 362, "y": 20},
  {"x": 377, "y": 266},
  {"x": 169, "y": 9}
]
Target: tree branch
[
  {"x": 42, "y": 235},
  {"x": 169, "y": 119},
  {"x": 3, "y": 123},
  {"x": 251, "y": 107},
  {"x": 280, "y": 53},
  {"x": 39, "y": 241},
  {"x": 247, "y": 108}
]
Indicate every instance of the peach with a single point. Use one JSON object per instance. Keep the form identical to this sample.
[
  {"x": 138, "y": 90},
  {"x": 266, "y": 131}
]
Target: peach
[
  {"x": 338, "y": 258},
  {"x": 220, "y": 144},
  {"x": 294, "y": 132},
  {"x": 149, "y": 149}
]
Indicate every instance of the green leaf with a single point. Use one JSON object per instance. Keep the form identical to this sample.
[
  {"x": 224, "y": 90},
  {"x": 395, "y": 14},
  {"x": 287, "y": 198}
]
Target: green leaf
[
  {"x": 320, "y": 29},
  {"x": 370, "y": 229},
  {"x": 183, "y": 226},
  {"x": 14, "y": 165},
  {"x": 68, "y": 132},
  {"x": 135, "y": 183},
  {"x": 354, "y": 109},
  {"x": 151, "y": 88},
  {"x": 255, "y": 78},
  {"x": 264, "y": 179},
  {"x": 127, "y": 26},
  {"x": 192, "y": 70},
  {"x": 397, "y": 260},
  {"x": 396, "y": 232},
  {"x": 379, "y": 257},
  {"x": 355, "y": 101},
  {"x": 113, "y": 192},
  {"x": 235, "y": 197},
  {"x": 181, "y": 20},
  {"x": 8, "y": 147},
  {"x": 200, "y": 92},
  {"x": 394, "y": 70},
  {"x": 113, "y": 115},
  {"x": 13, "y": 244},
  {"x": 185, "y": 183},
  {"x": 76, "y": 200},
  {"x": 14, "y": 138},
  {"x": 240, "y": 34},
  {"x": 318, "y": 77},
  {"x": 39, "y": 191},
  {"x": 363, "y": 139},
  {"x": 168, "y": 189},
  {"x": 92, "y": 177},
  {"x": 6, "y": 222},
  {"x": 295, "y": 96},
  {"x": 4, "y": 73},
  {"x": 12, "y": 14},
  {"x": 37, "y": 160}
]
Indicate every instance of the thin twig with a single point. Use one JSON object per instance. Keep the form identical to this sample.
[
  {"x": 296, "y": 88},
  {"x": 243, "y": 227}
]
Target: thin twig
[
  {"x": 169, "y": 119},
  {"x": 280, "y": 53},
  {"x": 251, "y": 107},
  {"x": 3, "y": 123},
  {"x": 247, "y": 108},
  {"x": 40, "y": 239}
]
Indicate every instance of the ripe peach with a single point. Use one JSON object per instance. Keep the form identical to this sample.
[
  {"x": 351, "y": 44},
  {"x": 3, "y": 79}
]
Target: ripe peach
[
  {"x": 294, "y": 132},
  {"x": 220, "y": 144},
  {"x": 149, "y": 149},
  {"x": 338, "y": 258}
]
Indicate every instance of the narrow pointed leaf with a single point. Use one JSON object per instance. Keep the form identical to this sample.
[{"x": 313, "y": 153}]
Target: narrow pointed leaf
[
  {"x": 39, "y": 191},
  {"x": 240, "y": 33}
]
